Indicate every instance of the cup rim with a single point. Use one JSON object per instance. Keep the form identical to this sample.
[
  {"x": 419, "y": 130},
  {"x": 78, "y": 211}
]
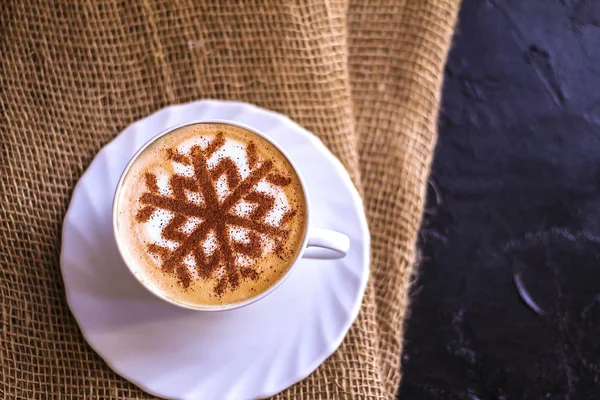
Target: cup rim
[{"x": 211, "y": 308}]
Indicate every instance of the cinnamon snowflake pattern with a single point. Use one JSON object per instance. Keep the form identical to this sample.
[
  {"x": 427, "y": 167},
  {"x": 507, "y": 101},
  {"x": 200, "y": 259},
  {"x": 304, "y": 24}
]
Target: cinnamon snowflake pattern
[{"x": 215, "y": 216}]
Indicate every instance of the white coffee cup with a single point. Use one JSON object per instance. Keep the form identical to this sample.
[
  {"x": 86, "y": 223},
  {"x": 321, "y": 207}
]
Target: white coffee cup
[{"x": 318, "y": 243}]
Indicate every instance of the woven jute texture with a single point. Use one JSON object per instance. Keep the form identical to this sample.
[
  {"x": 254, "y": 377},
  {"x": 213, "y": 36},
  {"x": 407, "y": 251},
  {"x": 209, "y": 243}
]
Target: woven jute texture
[{"x": 365, "y": 77}]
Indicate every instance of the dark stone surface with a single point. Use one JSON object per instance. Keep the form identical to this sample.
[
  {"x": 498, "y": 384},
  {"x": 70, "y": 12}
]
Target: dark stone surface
[{"x": 506, "y": 301}]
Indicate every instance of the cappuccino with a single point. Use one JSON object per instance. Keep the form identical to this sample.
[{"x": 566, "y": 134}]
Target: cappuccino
[{"x": 210, "y": 214}]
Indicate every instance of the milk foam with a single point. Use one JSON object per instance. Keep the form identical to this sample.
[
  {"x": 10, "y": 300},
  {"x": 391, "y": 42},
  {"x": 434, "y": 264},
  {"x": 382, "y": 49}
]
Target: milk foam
[
  {"x": 142, "y": 223},
  {"x": 236, "y": 151}
]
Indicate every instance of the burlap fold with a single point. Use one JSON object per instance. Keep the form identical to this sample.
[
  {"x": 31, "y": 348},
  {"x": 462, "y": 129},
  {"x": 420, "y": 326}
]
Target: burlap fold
[{"x": 364, "y": 76}]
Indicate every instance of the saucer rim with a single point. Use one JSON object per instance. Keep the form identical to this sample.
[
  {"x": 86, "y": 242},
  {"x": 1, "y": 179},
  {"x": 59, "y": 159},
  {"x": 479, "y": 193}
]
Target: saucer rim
[{"x": 332, "y": 345}]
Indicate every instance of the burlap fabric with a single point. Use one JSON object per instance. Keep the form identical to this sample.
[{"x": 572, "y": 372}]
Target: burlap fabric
[{"x": 364, "y": 77}]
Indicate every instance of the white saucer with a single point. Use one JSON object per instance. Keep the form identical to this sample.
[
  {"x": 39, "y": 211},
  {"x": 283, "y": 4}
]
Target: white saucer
[{"x": 255, "y": 351}]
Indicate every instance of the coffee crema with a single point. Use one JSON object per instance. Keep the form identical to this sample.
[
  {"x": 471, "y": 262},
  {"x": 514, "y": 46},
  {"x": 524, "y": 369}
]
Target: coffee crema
[{"x": 211, "y": 214}]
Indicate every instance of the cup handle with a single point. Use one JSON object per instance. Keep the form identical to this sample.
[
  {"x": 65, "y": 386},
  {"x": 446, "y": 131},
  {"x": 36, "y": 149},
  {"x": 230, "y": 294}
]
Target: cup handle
[{"x": 325, "y": 244}]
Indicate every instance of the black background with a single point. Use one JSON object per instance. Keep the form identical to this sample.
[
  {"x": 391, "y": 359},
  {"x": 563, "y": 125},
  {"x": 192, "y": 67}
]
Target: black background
[{"x": 506, "y": 299}]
